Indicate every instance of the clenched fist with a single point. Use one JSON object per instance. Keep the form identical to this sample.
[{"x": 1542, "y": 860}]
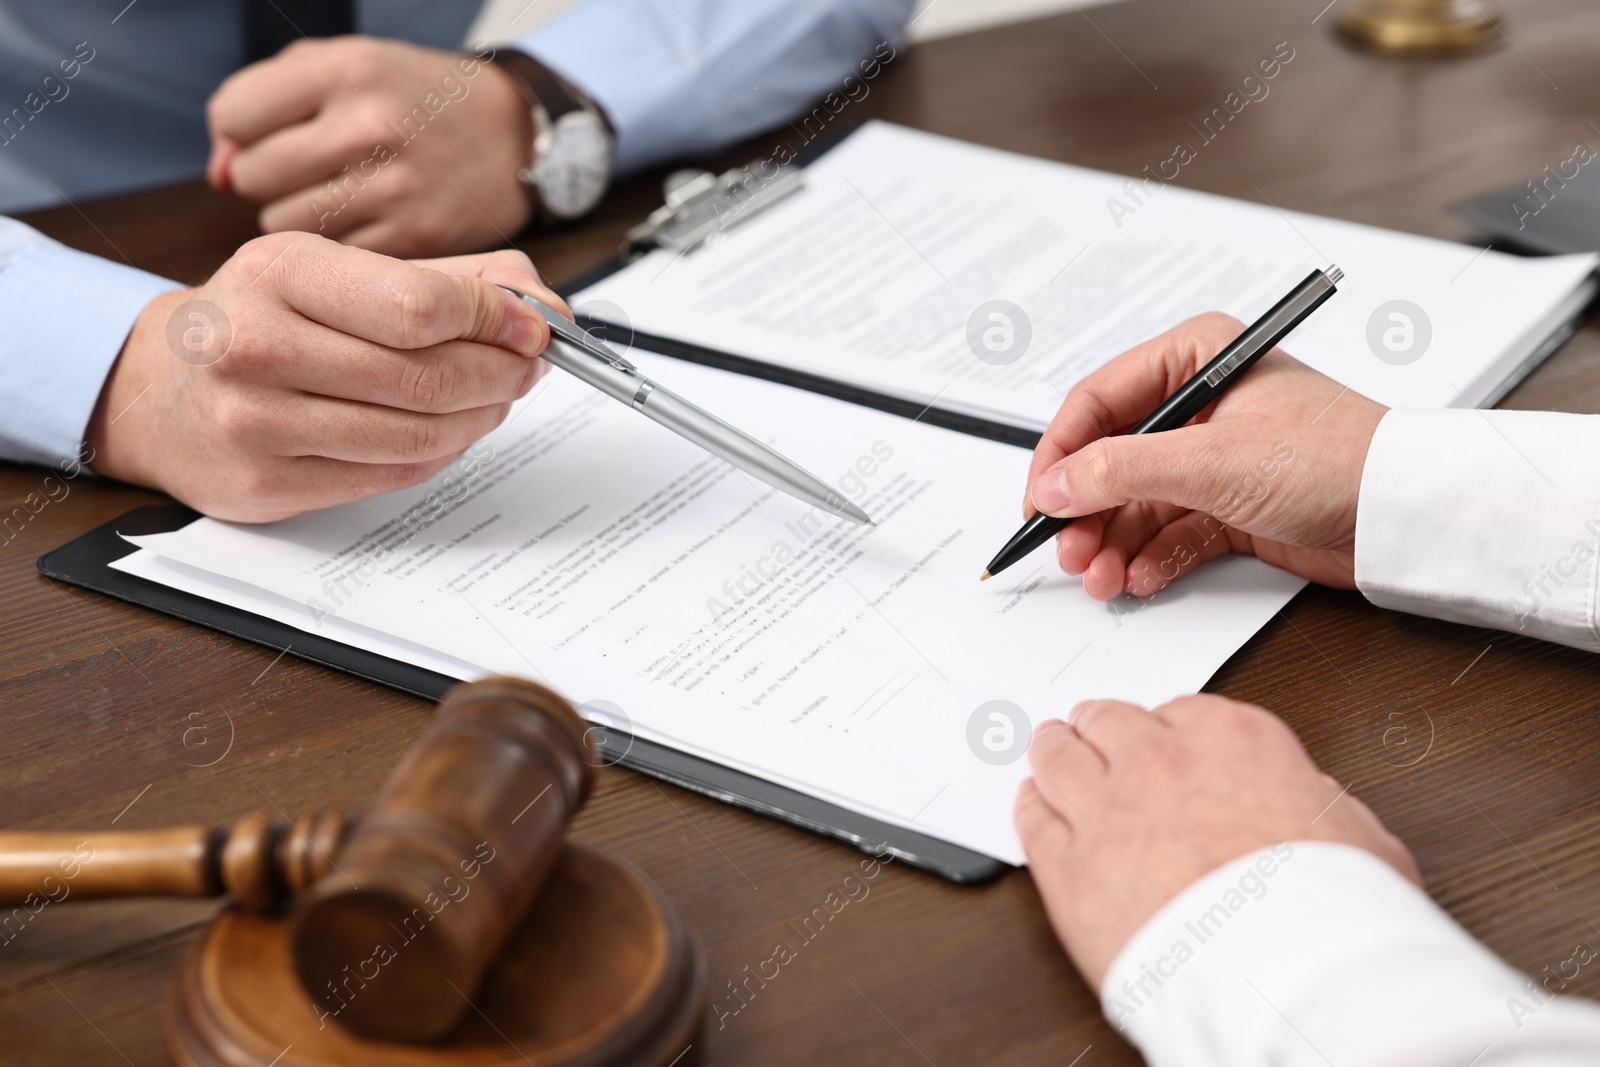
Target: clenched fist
[{"x": 404, "y": 150}]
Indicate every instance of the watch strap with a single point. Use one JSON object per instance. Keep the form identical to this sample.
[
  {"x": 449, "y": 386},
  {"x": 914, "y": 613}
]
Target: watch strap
[{"x": 539, "y": 85}]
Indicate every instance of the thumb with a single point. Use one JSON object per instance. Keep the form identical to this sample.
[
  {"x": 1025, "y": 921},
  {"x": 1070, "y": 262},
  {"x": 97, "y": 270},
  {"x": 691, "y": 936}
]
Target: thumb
[
  {"x": 507, "y": 267},
  {"x": 1188, "y": 467},
  {"x": 496, "y": 317}
]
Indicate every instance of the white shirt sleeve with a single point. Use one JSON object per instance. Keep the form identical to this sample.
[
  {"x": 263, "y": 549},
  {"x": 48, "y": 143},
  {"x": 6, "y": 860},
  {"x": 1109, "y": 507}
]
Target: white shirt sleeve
[
  {"x": 1311, "y": 953},
  {"x": 1490, "y": 518},
  {"x": 65, "y": 315}
]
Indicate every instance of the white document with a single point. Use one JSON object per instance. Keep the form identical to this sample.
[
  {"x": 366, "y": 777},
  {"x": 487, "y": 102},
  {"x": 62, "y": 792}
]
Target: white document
[
  {"x": 873, "y": 272},
  {"x": 586, "y": 547}
]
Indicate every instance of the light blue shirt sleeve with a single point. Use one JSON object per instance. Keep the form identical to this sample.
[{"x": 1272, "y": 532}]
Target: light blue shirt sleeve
[
  {"x": 676, "y": 77},
  {"x": 691, "y": 77},
  {"x": 66, "y": 315}
]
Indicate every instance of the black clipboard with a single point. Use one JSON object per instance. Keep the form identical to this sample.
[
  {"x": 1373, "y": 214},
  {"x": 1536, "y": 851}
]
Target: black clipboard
[
  {"x": 86, "y": 562},
  {"x": 813, "y": 383}
]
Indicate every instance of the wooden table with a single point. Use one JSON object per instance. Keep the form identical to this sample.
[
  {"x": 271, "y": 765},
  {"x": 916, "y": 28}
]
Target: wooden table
[{"x": 1481, "y": 749}]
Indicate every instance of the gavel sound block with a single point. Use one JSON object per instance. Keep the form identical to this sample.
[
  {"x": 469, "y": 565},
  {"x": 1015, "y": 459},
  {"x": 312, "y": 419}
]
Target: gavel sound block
[{"x": 448, "y": 925}]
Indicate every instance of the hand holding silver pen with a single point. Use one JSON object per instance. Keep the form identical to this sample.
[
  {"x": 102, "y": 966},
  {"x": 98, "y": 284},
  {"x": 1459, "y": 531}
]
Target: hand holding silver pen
[{"x": 594, "y": 362}]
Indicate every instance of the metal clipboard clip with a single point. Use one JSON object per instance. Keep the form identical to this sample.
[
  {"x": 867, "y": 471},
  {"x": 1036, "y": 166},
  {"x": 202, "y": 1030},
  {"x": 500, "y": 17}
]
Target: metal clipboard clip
[{"x": 700, "y": 206}]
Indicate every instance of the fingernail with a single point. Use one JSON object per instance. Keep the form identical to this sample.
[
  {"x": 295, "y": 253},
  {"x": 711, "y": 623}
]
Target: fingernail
[
  {"x": 1077, "y": 709},
  {"x": 521, "y": 334},
  {"x": 1048, "y": 724},
  {"x": 1050, "y": 491},
  {"x": 1146, "y": 583}
]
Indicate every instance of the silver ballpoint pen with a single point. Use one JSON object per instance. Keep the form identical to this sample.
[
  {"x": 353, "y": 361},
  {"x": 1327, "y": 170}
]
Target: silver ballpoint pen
[{"x": 591, "y": 360}]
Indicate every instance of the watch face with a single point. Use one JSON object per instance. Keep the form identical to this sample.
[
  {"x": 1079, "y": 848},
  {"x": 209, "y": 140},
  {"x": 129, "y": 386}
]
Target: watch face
[{"x": 574, "y": 169}]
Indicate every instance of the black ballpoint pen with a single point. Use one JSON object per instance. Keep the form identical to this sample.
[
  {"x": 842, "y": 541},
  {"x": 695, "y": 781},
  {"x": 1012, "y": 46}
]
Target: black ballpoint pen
[{"x": 1193, "y": 396}]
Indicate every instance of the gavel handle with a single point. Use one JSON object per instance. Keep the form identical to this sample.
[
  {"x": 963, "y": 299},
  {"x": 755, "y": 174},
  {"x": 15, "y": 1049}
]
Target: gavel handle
[{"x": 261, "y": 861}]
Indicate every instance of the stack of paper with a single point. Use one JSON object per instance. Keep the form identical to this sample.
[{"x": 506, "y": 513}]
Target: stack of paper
[
  {"x": 873, "y": 275},
  {"x": 586, "y": 547},
  {"x": 592, "y": 550}
]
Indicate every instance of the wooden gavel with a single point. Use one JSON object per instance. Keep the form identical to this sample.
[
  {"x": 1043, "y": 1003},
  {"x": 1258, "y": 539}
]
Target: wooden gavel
[{"x": 428, "y": 883}]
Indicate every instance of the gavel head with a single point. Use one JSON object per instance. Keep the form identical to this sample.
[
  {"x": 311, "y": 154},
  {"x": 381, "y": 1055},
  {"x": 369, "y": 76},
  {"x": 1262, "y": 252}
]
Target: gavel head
[{"x": 394, "y": 940}]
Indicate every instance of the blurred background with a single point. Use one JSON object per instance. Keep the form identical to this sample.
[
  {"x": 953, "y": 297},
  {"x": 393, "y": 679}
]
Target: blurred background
[{"x": 502, "y": 20}]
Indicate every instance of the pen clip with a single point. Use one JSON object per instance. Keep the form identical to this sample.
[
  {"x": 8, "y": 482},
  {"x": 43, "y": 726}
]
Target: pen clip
[
  {"x": 1220, "y": 372},
  {"x": 570, "y": 332},
  {"x": 1298, "y": 304}
]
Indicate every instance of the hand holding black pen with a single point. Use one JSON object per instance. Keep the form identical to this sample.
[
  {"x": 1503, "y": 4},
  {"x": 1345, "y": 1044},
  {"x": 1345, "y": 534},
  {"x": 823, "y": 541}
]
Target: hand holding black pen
[{"x": 1197, "y": 393}]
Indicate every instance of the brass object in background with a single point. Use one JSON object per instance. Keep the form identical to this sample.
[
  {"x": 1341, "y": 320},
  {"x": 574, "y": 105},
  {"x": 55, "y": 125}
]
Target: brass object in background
[{"x": 1418, "y": 27}]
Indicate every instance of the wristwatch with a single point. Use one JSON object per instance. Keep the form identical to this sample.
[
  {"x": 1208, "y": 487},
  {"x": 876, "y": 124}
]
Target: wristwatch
[{"x": 573, "y": 143}]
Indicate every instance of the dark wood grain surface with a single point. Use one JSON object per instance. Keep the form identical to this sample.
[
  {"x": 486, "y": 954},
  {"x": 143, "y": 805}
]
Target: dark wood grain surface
[{"x": 1481, "y": 749}]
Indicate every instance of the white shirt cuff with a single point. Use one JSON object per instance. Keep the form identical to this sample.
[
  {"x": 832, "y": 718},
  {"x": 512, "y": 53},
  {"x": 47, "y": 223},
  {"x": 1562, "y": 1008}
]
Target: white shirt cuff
[
  {"x": 1311, "y": 953},
  {"x": 1490, "y": 518}
]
